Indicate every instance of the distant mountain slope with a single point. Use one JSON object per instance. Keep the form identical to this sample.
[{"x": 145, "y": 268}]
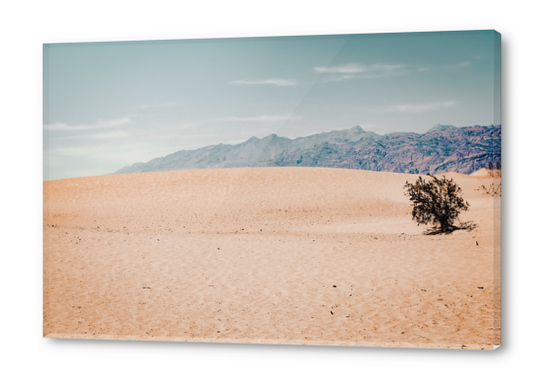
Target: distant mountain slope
[
  {"x": 444, "y": 148},
  {"x": 440, "y": 128}
]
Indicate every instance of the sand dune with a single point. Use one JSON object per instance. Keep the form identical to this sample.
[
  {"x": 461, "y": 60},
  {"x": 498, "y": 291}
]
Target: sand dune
[
  {"x": 483, "y": 172},
  {"x": 266, "y": 255},
  {"x": 486, "y": 173}
]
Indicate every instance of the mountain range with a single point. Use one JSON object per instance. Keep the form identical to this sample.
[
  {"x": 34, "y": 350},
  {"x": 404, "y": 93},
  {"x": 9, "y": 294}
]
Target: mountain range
[{"x": 444, "y": 148}]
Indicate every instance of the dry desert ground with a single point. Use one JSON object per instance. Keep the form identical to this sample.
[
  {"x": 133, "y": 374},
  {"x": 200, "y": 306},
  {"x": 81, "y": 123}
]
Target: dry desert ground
[{"x": 267, "y": 255}]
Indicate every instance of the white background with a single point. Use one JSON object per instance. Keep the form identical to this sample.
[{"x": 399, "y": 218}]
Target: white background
[{"x": 24, "y": 26}]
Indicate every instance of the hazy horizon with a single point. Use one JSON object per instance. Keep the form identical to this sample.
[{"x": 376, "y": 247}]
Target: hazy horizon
[{"x": 109, "y": 105}]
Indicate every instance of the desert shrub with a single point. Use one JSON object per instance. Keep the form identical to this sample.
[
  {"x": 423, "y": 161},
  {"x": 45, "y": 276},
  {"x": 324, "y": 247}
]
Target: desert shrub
[
  {"x": 492, "y": 190},
  {"x": 436, "y": 201},
  {"x": 494, "y": 169}
]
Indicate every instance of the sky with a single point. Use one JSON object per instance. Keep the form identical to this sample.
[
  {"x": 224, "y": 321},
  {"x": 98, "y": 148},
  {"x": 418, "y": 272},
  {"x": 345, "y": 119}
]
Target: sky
[{"x": 111, "y": 104}]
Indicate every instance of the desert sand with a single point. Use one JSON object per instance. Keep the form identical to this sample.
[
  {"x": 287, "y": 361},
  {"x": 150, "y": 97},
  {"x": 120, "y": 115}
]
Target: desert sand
[{"x": 267, "y": 255}]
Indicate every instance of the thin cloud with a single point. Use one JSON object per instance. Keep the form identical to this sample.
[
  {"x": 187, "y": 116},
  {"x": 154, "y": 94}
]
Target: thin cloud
[
  {"x": 356, "y": 68},
  {"x": 416, "y": 108},
  {"x": 271, "y": 81},
  {"x": 60, "y": 126},
  {"x": 375, "y": 75},
  {"x": 358, "y": 71},
  {"x": 265, "y": 118},
  {"x": 338, "y": 78},
  {"x": 361, "y": 71}
]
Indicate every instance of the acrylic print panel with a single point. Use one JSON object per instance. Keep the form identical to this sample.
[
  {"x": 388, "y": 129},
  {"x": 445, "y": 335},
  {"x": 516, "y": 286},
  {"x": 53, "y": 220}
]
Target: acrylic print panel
[{"x": 319, "y": 190}]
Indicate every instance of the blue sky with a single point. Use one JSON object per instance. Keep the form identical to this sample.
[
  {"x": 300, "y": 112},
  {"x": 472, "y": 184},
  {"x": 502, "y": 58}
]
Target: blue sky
[{"x": 112, "y": 104}]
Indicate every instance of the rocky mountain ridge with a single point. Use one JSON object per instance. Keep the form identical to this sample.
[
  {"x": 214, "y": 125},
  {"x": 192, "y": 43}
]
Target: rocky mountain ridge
[{"x": 443, "y": 148}]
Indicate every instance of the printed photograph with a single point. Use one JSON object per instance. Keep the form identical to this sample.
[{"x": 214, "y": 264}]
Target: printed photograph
[{"x": 306, "y": 190}]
